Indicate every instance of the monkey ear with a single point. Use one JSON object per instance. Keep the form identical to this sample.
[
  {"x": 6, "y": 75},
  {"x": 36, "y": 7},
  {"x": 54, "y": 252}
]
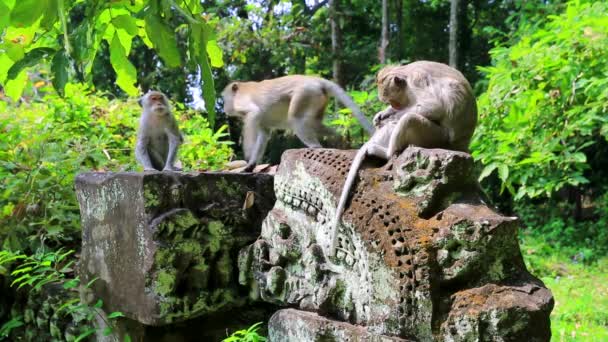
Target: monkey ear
[
  {"x": 235, "y": 87},
  {"x": 400, "y": 81}
]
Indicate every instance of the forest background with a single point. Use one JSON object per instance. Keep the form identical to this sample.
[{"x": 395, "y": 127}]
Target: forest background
[{"x": 70, "y": 72}]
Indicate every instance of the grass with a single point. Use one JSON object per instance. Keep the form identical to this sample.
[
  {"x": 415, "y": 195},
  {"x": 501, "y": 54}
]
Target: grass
[{"x": 580, "y": 290}]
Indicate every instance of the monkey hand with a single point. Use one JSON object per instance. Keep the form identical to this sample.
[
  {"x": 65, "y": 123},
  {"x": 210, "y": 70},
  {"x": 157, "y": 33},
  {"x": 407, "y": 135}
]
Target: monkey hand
[{"x": 380, "y": 116}]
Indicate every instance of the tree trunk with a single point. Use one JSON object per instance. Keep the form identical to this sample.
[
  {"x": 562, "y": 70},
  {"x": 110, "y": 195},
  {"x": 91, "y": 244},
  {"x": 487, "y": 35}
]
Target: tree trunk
[
  {"x": 399, "y": 14},
  {"x": 453, "y": 44},
  {"x": 458, "y": 32},
  {"x": 384, "y": 34},
  {"x": 336, "y": 41}
]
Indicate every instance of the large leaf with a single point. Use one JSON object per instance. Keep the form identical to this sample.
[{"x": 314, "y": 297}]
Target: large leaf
[
  {"x": 215, "y": 54},
  {"x": 50, "y": 16},
  {"x": 26, "y": 12},
  {"x": 126, "y": 75},
  {"x": 14, "y": 88},
  {"x": 200, "y": 36},
  {"x": 5, "y": 16},
  {"x": 163, "y": 39},
  {"x": 125, "y": 22},
  {"x": 31, "y": 58},
  {"x": 60, "y": 69}
]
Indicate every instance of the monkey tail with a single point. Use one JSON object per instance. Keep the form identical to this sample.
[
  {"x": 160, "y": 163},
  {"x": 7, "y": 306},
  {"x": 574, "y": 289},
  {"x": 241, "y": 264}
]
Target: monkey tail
[
  {"x": 336, "y": 91},
  {"x": 348, "y": 184}
]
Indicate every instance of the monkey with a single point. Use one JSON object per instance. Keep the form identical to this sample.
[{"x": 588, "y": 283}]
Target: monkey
[
  {"x": 158, "y": 136},
  {"x": 295, "y": 102},
  {"x": 431, "y": 105}
]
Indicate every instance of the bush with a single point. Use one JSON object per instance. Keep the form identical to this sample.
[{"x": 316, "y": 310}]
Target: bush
[
  {"x": 546, "y": 102},
  {"x": 46, "y": 143}
]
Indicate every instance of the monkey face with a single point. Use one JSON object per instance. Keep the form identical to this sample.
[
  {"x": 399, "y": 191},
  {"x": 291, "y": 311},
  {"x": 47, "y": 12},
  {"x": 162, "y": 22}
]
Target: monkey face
[
  {"x": 156, "y": 102},
  {"x": 393, "y": 90}
]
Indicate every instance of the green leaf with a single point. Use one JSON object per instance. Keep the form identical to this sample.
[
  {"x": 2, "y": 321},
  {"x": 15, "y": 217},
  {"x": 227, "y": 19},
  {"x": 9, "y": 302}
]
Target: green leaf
[
  {"x": 487, "y": 171},
  {"x": 116, "y": 314},
  {"x": 200, "y": 33},
  {"x": 14, "y": 88},
  {"x": 85, "y": 334},
  {"x": 127, "y": 338},
  {"x": 50, "y": 15},
  {"x": 5, "y": 16},
  {"x": 127, "y": 23},
  {"x": 126, "y": 75},
  {"x": 163, "y": 39},
  {"x": 26, "y": 12},
  {"x": 16, "y": 52},
  {"x": 503, "y": 172},
  {"x": 215, "y": 54},
  {"x": 31, "y": 58}
]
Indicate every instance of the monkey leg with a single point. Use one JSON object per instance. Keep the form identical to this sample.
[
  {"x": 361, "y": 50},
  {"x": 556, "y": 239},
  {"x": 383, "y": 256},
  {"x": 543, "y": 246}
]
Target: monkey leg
[
  {"x": 305, "y": 115},
  {"x": 257, "y": 152},
  {"x": 415, "y": 129}
]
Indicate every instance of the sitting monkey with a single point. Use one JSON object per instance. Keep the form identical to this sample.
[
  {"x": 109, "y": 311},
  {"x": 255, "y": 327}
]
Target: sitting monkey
[
  {"x": 431, "y": 105},
  {"x": 158, "y": 137},
  {"x": 295, "y": 102}
]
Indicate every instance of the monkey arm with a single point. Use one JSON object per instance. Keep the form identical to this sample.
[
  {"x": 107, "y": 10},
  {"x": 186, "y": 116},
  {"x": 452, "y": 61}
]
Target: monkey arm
[
  {"x": 175, "y": 140},
  {"x": 141, "y": 153},
  {"x": 419, "y": 130}
]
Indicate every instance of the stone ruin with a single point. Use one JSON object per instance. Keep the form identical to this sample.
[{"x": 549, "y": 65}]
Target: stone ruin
[{"x": 421, "y": 256}]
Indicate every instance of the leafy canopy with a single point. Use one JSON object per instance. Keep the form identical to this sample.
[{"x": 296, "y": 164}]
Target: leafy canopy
[
  {"x": 546, "y": 102},
  {"x": 69, "y": 33}
]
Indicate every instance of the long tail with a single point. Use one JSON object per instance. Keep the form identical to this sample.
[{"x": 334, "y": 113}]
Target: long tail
[
  {"x": 350, "y": 180},
  {"x": 339, "y": 93}
]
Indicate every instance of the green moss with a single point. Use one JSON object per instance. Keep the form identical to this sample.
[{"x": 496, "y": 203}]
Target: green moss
[
  {"x": 230, "y": 189},
  {"x": 166, "y": 281},
  {"x": 150, "y": 196}
]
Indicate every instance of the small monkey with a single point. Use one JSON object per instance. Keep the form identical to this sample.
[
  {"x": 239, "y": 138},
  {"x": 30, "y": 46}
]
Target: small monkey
[
  {"x": 295, "y": 102},
  {"x": 431, "y": 105},
  {"x": 158, "y": 137}
]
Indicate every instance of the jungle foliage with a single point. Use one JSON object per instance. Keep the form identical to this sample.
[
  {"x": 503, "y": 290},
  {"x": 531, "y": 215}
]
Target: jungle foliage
[{"x": 69, "y": 70}]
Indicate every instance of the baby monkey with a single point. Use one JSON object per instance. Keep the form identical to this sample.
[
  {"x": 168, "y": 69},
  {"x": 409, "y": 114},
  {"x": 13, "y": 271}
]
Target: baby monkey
[
  {"x": 158, "y": 137},
  {"x": 431, "y": 105}
]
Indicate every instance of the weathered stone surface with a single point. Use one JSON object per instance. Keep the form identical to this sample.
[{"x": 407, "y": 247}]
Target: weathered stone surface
[
  {"x": 296, "y": 325},
  {"x": 164, "y": 244},
  {"x": 416, "y": 241}
]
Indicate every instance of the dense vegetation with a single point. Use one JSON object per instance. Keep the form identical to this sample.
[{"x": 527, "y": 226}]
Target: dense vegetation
[{"x": 67, "y": 68}]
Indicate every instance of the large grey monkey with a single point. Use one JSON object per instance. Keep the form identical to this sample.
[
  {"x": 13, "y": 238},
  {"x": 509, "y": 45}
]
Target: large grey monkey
[{"x": 431, "y": 105}]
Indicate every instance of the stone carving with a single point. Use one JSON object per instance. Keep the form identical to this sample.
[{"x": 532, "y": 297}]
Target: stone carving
[
  {"x": 164, "y": 245},
  {"x": 420, "y": 255}
]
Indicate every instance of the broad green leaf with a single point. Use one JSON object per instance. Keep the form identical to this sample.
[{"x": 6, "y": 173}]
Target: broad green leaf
[
  {"x": 115, "y": 314},
  {"x": 5, "y": 16},
  {"x": 31, "y": 58},
  {"x": 207, "y": 77},
  {"x": 487, "y": 171},
  {"x": 60, "y": 68},
  {"x": 215, "y": 54},
  {"x": 50, "y": 15},
  {"x": 126, "y": 75},
  {"x": 14, "y": 88},
  {"x": 163, "y": 39},
  {"x": 26, "y": 12},
  {"x": 15, "y": 51},
  {"x": 127, "y": 23},
  {"x": 5, "y": 64},
  {"x": 125, "y": 40}
]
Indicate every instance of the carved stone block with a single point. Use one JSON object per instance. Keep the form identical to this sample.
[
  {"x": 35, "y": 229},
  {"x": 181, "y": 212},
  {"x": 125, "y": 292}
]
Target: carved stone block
[
  {"x": 163, "y": 245},
  {"x": 414, "y": 242}
]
